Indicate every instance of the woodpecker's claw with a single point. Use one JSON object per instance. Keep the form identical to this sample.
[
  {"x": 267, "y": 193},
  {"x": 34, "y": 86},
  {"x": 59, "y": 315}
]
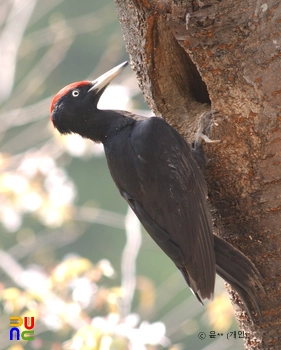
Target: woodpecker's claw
[
  {"x": 203, "y": 124},
  {"x": 205, "y": 138}
]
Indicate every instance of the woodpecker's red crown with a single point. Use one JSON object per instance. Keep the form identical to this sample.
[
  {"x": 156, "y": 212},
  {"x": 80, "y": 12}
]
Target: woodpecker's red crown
[{"x": 65, "y": 90}]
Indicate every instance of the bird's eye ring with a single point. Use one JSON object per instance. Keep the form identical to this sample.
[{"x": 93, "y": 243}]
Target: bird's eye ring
[{"x": 75, "y": 93}]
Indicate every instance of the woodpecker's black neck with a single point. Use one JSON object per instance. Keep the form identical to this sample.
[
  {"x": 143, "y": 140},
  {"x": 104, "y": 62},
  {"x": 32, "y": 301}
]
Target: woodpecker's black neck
[{"x": 104, "y": 124}]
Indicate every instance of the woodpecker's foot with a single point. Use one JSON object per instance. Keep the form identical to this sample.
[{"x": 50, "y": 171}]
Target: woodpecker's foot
[
  {"x": 203, "y": 125},
  {"x": 206, "y": 138}
]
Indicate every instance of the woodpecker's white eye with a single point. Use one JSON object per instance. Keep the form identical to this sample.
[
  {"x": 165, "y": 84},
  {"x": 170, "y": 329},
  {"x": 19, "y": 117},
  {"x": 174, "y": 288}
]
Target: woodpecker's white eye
[{"x": 75, "y": 93}]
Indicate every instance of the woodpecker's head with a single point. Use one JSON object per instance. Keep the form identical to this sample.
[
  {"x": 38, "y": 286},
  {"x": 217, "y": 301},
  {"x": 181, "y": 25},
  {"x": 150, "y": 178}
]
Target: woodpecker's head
[{"x": 76, "y": 102}]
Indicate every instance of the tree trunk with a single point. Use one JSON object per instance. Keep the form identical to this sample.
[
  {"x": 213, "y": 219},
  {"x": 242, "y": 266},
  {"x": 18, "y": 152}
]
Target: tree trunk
[{"x": 195, "y": 56}]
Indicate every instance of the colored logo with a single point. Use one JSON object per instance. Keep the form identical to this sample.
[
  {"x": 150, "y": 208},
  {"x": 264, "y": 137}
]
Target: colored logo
[{"x": 28, "y": 324}]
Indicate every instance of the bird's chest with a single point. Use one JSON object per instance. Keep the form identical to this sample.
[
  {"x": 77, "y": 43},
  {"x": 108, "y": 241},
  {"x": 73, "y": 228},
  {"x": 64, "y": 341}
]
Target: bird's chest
[
  {"x": 121, "y": 163},
  {"x": 144, "y": 173}
]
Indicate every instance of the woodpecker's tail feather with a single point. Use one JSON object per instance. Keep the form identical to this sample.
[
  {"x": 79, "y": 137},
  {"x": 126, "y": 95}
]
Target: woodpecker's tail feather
[{"x": 236, "y": 269}]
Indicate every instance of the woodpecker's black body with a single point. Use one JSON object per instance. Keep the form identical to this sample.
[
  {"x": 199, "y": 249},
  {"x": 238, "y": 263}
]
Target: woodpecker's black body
[{"x": 154, "y": 170}]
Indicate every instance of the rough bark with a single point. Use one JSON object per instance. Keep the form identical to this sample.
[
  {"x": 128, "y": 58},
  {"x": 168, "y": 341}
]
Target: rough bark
[{"x": 225, "y": 56}]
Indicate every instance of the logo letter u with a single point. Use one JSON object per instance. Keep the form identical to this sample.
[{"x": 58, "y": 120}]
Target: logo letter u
[
  {"x": 31, "y": 321},
  {"x": 12, "y": 331},
  {"x": 15, "y": 318},
  {"x": 27, "y": 335}
]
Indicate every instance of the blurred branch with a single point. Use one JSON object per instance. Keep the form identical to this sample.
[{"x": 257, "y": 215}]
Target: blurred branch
[
  {"x": 28, "y": 138},
  {"x": 36, "y": 77},
  {"x": 56, "y": 239},
  {"x": 42, "y": 8},
  {"x": 24, "y": 115},
  {"x": 49, "y": 148},
  {"x": 99, "y": 216},
  {"x": 10, "y": 41},
  {"x": 12, "y": 268},
  {"x": 27, "y": 282},
  {"x": 110, "y": 56},
  {"x": 128, "y": 262},
  {"x": 86, "y": 214},
  {"x": 130, "y": 252},
  {"x": 65, "y": 29}
]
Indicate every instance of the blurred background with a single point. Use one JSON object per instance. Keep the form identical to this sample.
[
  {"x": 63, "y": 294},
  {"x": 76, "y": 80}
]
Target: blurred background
[{"x": 71, "y": 253}]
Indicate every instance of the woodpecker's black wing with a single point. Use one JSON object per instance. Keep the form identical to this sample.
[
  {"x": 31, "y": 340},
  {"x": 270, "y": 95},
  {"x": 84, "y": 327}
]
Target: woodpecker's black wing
[{"x": 153, "y": 168}]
